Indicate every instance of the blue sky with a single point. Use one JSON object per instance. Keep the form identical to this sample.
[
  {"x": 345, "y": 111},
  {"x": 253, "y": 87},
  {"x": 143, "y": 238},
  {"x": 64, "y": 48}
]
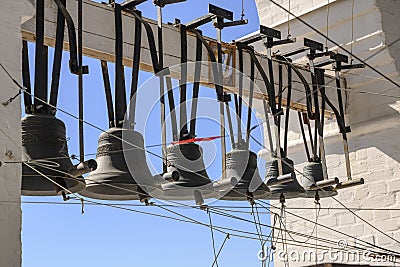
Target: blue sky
[{"x": 103, "y": 236}]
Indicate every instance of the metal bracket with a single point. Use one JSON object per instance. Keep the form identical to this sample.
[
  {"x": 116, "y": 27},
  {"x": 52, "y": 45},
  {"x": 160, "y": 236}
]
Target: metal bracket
[
  {"x": 199, "y": 21},
  {"x": 220, "y": 12},
  {"x": 313, "y": 45},
  {"x": 163, "y": 3}
]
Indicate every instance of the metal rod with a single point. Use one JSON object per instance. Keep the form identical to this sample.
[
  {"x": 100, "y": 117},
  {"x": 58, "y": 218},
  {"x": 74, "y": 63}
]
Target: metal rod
[
  {"x": 107, "y": 89},
  {"x": 40, "y": 58},
  {"x": 26, "y": 78},
  {"x": 80, "y": 85},
  {"x": 230, "y": 127},
  {"x": 55, "y": 79},
  {"x": 273, "y": 108},
  {"x": 219, "y": 80},
  {"x": 316, "y": 107},
  {"x": 171, "y": 104},
  {"x": 240, "y": 98},
  {"x": 343, "y": 130},
  {"x": 287, "y": 112},
  {"x": 196, "y": 87},
  {"x": 135, "y": 70},
  {"x": 162, "y": 90}
]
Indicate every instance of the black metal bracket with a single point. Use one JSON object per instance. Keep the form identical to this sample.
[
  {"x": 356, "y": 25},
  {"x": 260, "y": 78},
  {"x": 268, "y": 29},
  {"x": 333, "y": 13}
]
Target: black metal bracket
[
  {"x": 269, "y": 34},
  {"x": 314, "y": 47},
  {"x": 163, "y": 3},
  {"x": 220, "y": 12},
  {"x": 199, "y": 21},
  {"x": 295, "y": 51}
]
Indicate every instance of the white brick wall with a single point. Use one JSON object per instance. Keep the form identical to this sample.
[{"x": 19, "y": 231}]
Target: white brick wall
[
  {"x": 11, "y": 13},
  {"x": 374, "y": 140}
]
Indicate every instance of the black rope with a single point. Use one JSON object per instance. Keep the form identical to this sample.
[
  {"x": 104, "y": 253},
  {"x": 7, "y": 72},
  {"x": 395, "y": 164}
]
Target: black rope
[
  {"x": 40, "y": 60},
  {"x": 120, "y": 94},
  {"x": 107, "y": 89}
]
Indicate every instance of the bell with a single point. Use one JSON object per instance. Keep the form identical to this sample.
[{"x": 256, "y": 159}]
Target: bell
[
  {"x": 45, "y": 149},
  {"x": 291, "y": 189},
  {"x": 187, "y": 159},
  {"x": 313, "y": 181},
  {"x": 114, "y": 179},
  {"x": 242, "y": 165}
]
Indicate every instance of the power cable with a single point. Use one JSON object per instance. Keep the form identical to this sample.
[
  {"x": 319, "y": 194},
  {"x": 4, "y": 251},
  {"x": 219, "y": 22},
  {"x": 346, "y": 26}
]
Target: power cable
[{"x": 213, "y": 240}]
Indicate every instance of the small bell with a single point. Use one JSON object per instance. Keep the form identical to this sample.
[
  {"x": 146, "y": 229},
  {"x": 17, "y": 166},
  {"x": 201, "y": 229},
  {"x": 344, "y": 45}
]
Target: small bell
[
  {"x": 290, "y": 189},
  {"x": 242, "y": 166},
  {"x": 44, "y": 146},
  {"x": 187, "y": 159},
  {"x": 114, "y": 179},
  {"x": 313, "y": 181}
]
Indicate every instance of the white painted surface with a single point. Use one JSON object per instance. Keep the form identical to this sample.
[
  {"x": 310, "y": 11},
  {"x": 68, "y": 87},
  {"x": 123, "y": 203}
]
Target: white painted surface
[
  {"x": 11, "y": 15},
  {"x": 374, "y": 140}
]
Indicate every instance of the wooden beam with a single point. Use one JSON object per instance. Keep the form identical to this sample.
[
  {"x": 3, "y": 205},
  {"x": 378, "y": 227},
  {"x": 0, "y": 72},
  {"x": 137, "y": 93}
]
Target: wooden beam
[{"x": 98, "y": 42}]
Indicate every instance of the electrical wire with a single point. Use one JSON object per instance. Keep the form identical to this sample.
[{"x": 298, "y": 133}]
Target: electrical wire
[{"x": 213, "y": 240}]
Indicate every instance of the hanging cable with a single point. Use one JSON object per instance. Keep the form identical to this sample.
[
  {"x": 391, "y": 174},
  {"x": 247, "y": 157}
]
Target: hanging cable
[
  {"x": 288, "y": 21},
  {"x": 220, "y": 249},
  {"x": 212, "y": 238},
  {"x": 327, "y": 26}
]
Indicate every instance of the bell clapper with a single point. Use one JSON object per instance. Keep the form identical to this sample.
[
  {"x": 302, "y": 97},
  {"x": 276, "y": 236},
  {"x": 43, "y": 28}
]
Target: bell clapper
[{"x": 65, "y": 197}]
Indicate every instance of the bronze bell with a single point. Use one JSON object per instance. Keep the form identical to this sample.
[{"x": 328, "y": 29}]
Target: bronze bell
[
  {"x": 313, "y": 181},
  {"x": 44, "y": 147},
  {"x": 114, "y": 179},
  {"x": 242, "y": 165},
  {"x": 187, "y": 159},
  {"x": 291, "y": 189}
]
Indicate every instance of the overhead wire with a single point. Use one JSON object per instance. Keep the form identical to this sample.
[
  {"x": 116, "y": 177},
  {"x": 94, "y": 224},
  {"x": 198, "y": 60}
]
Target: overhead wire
[{"x": 213, "y": 240}]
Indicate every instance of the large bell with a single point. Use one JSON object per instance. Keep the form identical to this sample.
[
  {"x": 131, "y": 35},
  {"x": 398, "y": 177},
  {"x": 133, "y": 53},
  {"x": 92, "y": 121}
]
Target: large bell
[
  {"x": 290, "y": 189},
  {"x": 113, "y": 180},
  {"x": 242, "y": 165},
  {"x": 45, "y": 149},
  {"x": 187, "y": 159},
  {"x": 313, "y": 175}
]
